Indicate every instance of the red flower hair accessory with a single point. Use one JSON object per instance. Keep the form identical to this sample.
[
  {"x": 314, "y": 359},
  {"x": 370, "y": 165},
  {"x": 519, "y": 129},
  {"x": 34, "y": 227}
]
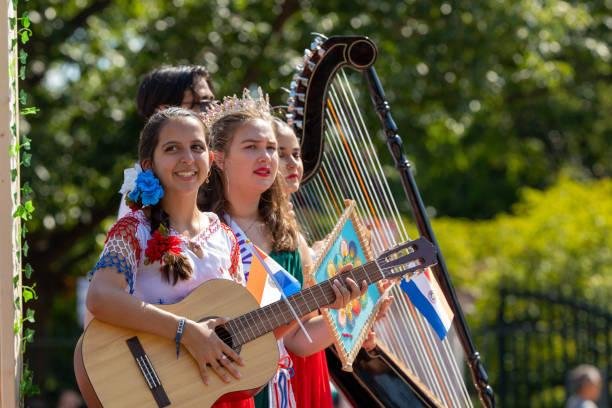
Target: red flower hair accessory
[{"x": 160, "y": 244}]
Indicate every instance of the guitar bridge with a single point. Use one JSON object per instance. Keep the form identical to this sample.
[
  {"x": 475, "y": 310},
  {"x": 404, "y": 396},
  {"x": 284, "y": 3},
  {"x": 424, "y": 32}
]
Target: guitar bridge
[{"x": 148, "y": 372}]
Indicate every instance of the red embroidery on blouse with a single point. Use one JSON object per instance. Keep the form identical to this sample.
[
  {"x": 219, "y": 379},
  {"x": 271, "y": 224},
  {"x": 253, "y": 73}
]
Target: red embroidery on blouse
[
  {"x": 234, "y": 252},
  {"x": 125, "y": 230}
]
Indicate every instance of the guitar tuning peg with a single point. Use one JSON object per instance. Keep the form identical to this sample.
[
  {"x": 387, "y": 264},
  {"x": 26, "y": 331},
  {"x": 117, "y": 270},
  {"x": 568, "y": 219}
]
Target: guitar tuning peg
[
  {"x": 293, "y": 86},
  {"x": 300, "y": 97},
  {"x": 298, "y": 124},
  {"x": 299, "y": 110},
  {"x": 307, "y": 54},
  {"x": 311, "y": 65},
  {"x": 299, "y": 67},
  {"x": 302, "y": 80}
]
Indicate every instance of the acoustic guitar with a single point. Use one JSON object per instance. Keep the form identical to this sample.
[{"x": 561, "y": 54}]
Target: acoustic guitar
[{"x": 119, "y": 367}]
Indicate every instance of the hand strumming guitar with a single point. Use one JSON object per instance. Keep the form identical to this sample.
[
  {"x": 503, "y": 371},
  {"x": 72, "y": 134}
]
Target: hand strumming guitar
[{"x": 209, "y": 351}]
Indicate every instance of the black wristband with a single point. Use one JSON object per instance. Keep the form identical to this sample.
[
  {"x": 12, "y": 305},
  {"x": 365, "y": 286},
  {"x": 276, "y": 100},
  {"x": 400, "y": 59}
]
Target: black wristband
[{"x": 179, "y": 334}]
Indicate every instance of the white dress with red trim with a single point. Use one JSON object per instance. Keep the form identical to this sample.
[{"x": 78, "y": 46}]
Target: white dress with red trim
[{"x": 212, "y": 254}]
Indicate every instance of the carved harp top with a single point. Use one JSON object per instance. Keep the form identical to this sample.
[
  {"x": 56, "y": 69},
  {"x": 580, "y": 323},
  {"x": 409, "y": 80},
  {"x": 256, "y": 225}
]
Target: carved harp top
[{"x": 307, "y": 103}]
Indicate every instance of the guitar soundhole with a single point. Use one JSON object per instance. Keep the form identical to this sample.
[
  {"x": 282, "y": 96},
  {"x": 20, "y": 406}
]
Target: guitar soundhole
[
  {"x": 227, "y": 338},
  {"x": 223, "y": 334}
]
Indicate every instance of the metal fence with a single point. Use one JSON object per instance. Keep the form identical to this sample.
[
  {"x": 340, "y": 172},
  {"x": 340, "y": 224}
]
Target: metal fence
[{"x": 539, "y": 336}]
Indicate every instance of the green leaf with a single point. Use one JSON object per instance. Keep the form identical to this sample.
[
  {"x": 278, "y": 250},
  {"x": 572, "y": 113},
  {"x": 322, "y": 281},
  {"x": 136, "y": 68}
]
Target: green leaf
[
  {"x": 23, "y": 56},
  {"x": 16, "y": 327},
  {"x": 27, "y": 386},
  {"x": 26, "y": 159},
  {"x": 30, "y": 316},
  {"x": 25, "y": 37},
  {"x": 13, "y": 149},
  {"x": 24, "y": 211},
  {"x": 27, "y": 271},
  {"x": 22, "y": 72},
  {"x": 27, "y": 294},
  {"x": 26, "y": 190},
  {"x": 25, "y": 20},
  {"x": 15, "y": 281},
  {"x": 29, "y": 206},
  {"x": 25, "y": 142},
  {"x": 28, "y": 335},
  {"x": 25, "y": 248},
  {"x": 13, "y": 174},
  {"x": 23, "y": 97},
  {"x": 30, "y": 111}
]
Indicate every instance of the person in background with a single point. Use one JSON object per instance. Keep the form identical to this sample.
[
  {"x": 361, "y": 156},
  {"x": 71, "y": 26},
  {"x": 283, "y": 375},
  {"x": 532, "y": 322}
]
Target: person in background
[
  {"x": 187, "y": 86},
  {"x": 585, "y": 384}
]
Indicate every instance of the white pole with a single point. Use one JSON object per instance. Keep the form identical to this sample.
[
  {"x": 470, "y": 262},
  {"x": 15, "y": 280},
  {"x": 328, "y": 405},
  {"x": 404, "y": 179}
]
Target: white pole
[{"x": 10, "y": 262}]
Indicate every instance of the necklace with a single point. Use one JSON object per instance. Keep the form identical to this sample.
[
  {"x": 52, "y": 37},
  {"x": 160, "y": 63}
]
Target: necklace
[
  {"x": 192, "y": 242},
  {"x": 251, "y": 225}
]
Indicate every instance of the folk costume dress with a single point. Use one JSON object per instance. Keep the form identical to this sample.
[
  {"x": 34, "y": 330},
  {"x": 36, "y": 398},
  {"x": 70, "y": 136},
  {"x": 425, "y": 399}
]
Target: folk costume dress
[
  {"x": 311, "y": 380},
  {"x": 131, "y": 248},
  {"x": 279, "y": 391}
]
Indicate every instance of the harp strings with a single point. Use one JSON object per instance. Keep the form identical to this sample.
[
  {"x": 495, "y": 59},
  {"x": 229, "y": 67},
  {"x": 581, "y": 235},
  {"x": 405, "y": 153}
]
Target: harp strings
[
  {"x": 351, "y": 169},
  {"x": 392, "y": 209},
  {"x": 342, "y": 120},
  {"x": 453, "y": 375}
]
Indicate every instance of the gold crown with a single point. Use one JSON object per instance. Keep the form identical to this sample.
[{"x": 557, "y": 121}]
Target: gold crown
[{"x": 233, "y": 104}]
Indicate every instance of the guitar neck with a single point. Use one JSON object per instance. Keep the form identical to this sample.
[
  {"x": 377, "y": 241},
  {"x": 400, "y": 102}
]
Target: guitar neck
[{"x": 258, "y": 322}]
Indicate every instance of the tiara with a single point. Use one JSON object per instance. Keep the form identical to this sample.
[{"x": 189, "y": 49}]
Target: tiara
[{"x": 233, "y": 104}]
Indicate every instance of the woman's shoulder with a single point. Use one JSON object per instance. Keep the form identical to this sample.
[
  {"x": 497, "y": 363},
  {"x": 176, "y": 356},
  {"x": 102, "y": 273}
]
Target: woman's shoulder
[{"x": 132, "y": 223}]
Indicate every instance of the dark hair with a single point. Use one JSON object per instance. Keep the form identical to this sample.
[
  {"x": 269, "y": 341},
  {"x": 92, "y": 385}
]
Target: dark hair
[
  {"x": 174, "y": 267},
  {"x": 273, "y": 203},
  {"x": 167, "y": 86}
]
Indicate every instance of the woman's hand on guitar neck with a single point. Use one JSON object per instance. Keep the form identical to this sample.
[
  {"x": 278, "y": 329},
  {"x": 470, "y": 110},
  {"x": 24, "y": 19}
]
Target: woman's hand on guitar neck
[
  {"x": 210, "y": 351},
  {"x": 347, "y": 290}
]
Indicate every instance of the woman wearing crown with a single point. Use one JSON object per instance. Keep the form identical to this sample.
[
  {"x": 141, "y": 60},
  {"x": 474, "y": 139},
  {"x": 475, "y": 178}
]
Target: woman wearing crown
[{"x": 244, "y": 189}]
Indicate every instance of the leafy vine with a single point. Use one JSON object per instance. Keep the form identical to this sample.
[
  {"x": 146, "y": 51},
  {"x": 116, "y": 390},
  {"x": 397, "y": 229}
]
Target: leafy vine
[{"x": 20, "y": 156}]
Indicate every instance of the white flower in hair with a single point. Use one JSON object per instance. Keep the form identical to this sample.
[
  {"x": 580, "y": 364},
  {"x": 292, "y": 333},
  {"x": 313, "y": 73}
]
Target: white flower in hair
[{"x": 129, "y": 179}]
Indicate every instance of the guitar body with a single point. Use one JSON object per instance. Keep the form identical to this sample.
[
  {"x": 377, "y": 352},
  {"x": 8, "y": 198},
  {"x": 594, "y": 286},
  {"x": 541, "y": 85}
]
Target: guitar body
[{"x": 109, "y": 376}]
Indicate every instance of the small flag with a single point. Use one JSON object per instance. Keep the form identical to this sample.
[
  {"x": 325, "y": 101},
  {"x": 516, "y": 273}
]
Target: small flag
[
  {"x": 426, "y": 295},
  {"x": 260, "y": 283}
]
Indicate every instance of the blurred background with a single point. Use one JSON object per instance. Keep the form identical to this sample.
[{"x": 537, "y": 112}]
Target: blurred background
[{"x": 504, "y": 107}]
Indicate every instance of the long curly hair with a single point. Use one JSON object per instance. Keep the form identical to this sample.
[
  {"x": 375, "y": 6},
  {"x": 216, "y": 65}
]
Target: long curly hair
[
  {"x": 273, "y": 206},
  {"x": 174, "y": 267}
]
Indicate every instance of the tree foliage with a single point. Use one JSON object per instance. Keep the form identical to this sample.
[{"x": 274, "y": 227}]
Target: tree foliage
[{"x": 489, "y": 96}]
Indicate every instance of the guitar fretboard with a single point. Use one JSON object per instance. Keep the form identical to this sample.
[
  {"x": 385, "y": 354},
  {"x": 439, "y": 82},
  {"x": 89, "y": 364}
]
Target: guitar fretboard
[{"x": 258, "y": 322}]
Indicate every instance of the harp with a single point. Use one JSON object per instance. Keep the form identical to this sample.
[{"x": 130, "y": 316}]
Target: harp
[{"x": 410, "y": 366}]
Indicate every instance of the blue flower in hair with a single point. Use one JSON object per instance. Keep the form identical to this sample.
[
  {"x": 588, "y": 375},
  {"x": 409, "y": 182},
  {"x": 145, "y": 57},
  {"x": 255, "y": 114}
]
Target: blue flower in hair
[{"x": 148, "y": 190}]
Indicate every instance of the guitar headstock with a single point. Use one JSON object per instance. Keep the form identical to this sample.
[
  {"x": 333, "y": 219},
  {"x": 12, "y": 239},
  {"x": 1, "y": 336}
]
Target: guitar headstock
[{"x": 407, "y": 258}]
